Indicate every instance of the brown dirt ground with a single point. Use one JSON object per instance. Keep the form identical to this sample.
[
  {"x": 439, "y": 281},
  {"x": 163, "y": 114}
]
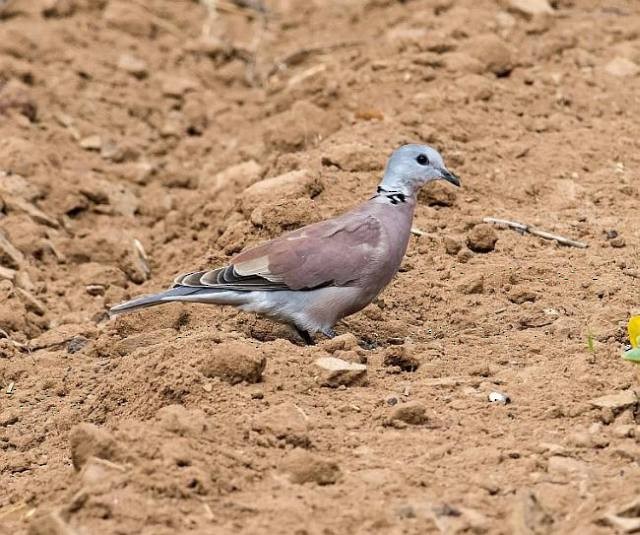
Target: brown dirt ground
[{"x": 147, "y": 120}]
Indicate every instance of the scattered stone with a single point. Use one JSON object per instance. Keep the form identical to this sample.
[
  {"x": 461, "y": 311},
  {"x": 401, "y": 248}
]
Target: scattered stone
[
  {"x": 88, "y": 440},
  {"x": 451, "y": 245},
  {"x": 492, "y": 52},
  {"x": 616, "y": 402},
  {"x": 133, "y": 65},
  {"x": 499, "y": 398},
  {"x": 401, "y": 356},
  {"x": 304, "y": 467},
  {"x": 530, "y": 8},
  {"x": 521, "y": 295},
  {"x": 93, "y": 142},
  {"x": 618, "y": 242},
  {"x": 538, "y": 318},
  {"x": 343, "y": 342},
  {"x": 234, "y": 362},
  {"x": 411, "y": 413},
  {"x": 622, "y": 67},
  {"x": 335, "y": 372},
  {"x": 285, "y": 423},
  {"x": 391, "y": 400},
  {"x": 95, "y": 289},
  {"x": 482, "y": 238},
  {"x": 76, "y": 344}
]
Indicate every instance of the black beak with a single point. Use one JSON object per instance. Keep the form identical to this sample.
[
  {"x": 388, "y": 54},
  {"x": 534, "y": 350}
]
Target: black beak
[{"x": 450, "y": 177}]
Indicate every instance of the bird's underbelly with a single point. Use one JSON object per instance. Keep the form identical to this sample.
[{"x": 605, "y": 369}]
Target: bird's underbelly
[{"x": 313, "y": 310}]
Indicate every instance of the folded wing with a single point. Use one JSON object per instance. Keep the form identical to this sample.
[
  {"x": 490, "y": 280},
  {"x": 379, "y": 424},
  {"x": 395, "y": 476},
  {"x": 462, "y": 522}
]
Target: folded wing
[{"x": 337, "y": 252}]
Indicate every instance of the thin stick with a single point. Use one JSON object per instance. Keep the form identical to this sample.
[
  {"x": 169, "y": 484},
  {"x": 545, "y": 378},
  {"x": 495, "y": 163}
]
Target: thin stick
[
  {"x": 142, "y": 256},
  {"x": 523, "y": 228},
  {"x": 298, "y": 56}
]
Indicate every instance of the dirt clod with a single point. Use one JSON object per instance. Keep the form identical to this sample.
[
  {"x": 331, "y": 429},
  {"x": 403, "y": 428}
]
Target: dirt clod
[
  {"x": 412, "y": 413},
  {"x": 234, "y": 363},
  {"x": 305, "y": 467},
  {"x": 335, "y": 372},
  {"x": 403, "y": 357},
  {"x": 284, "y": 423},
  {"x": 482, "y": 238},
  {"x": 88, "y": 440}
]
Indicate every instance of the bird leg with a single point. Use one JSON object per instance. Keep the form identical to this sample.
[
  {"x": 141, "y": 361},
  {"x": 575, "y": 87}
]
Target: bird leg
[
  {"x": 306, "y": 337},
  {"x": 329, "y": 333}
]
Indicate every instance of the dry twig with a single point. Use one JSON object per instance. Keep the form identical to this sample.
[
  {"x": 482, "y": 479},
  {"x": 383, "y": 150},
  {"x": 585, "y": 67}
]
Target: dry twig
[
  {"x": 302, "y": 54},
  {"x": 523, "y": 229},
  {"x": 142, "y": 257}
]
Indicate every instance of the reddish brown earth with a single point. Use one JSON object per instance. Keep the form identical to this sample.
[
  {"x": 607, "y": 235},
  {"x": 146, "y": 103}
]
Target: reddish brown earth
[{"x": 148, "y": 120}]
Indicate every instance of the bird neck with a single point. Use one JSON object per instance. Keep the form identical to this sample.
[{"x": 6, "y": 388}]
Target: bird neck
[{"x": 394, "y": 196}]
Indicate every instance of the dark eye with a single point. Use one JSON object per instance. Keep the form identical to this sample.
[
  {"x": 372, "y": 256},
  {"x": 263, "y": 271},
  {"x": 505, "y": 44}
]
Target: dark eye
[{"x": 422, "y": 159}]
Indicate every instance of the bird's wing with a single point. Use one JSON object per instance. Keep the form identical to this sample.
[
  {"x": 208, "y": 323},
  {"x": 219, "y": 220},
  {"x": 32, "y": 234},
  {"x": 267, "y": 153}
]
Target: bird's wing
[{"x": 336, "y": 252}]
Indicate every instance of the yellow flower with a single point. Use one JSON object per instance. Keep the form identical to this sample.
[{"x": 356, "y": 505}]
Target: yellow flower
[{"x": 634, "y": 331}]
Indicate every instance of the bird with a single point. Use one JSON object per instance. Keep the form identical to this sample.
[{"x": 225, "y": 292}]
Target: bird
[{"x": 313, "y": 277}]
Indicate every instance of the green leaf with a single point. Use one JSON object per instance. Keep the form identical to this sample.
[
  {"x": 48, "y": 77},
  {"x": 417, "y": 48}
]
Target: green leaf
[{"x": 633, "y": 355}]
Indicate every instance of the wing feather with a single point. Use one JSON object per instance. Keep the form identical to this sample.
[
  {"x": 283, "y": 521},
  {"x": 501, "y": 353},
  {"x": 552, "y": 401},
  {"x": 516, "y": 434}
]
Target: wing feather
[{"x": 336, "y": 252}]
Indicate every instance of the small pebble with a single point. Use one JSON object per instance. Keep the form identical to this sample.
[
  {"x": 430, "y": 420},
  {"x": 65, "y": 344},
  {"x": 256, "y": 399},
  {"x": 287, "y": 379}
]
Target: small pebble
[
  {"x": 133, "y": 65},
  {"x": 610, "y": 234},
  {"x": 76, "y": 344},
  {"x": 499, "y": 397},
  {"x": 617, "y": 242}
]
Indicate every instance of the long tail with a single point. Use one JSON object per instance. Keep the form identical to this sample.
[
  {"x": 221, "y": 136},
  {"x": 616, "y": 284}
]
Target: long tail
[
  {"x": 168, "y": 296},
  {"x": 179, "y": 293}
]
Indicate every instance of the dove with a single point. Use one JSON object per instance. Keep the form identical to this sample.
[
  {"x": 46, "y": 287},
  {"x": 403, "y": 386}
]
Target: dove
[{"x": 313, "y": 277}]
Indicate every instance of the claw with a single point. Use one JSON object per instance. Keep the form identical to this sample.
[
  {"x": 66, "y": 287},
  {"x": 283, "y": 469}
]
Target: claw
[
  {"x": 329, "y": 333},
  {"x": 306, "y": 337}
]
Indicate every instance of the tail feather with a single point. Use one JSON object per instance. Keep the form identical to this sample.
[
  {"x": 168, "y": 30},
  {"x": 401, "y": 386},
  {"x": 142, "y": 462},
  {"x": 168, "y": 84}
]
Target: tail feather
[{"x": 174, "y": 294}]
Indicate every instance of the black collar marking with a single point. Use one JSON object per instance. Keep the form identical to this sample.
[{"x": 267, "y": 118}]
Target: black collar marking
[{"x": 394, "y": 196}]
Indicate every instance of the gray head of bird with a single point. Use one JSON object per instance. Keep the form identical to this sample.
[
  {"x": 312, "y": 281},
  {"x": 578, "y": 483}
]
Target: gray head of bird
[{"x": 411, "y": 166}]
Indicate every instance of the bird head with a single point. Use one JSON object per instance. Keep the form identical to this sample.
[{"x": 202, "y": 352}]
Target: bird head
[{"x": 412, "y": 166}]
